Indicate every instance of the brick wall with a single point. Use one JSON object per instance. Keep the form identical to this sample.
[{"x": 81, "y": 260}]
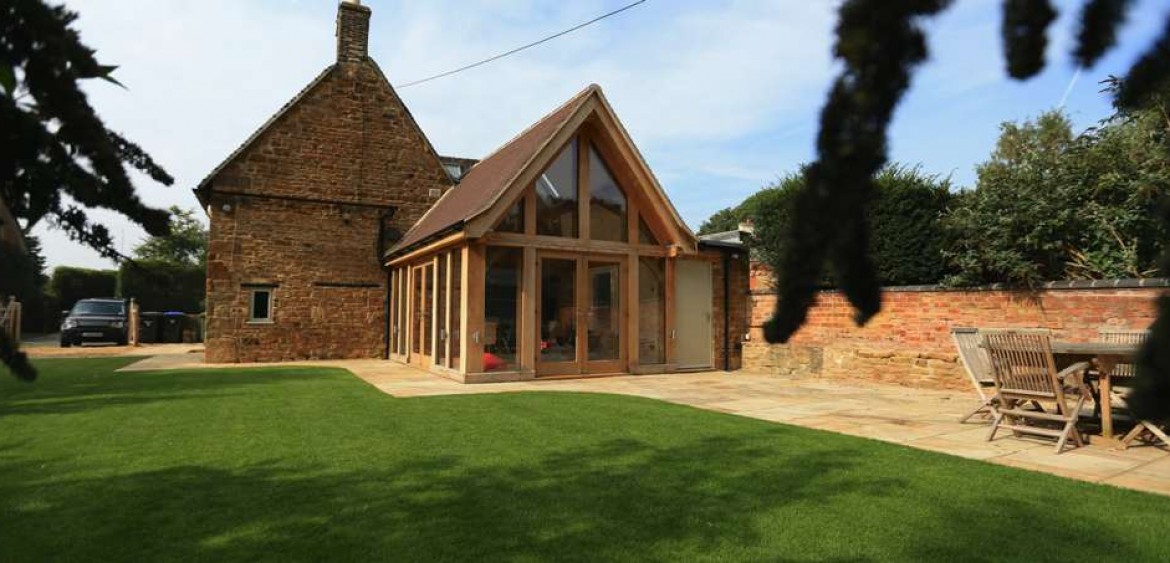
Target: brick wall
[
  {"x": 909, "y": 342},
  {"x": 305, "y": 200}
]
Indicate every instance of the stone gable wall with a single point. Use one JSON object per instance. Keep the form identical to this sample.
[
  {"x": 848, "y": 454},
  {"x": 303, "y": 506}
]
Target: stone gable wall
[
  {"x": 909, "y": 342},
  {"x": 314, "y": 186}
]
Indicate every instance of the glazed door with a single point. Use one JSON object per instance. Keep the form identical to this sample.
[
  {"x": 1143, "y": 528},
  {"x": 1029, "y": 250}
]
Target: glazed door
[
  {"x": 422, "y": 300},
  {"x": 557, "y": 347},
  {"x": 605, "y": 325},
  {"x": 580, "y": 314}
]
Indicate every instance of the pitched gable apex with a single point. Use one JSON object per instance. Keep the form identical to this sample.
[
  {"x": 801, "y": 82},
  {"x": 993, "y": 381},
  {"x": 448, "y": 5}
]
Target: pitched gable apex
[
  {"x": 634, "y": 156},
  {"x": 493, "y": 185},
  {"x": 488, "y": 179},
  {"x": 204, "y": 189}
]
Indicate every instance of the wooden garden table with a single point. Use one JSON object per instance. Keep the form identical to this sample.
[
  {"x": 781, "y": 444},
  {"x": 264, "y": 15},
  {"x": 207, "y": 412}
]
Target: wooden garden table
[{"x": 1106, "y": 356}]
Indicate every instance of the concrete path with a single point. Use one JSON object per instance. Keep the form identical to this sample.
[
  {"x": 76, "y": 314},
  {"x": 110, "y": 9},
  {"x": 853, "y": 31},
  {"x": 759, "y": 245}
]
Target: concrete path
[
  {"x": 192, "y": 352},
  {"x": 919, "y": 418}
]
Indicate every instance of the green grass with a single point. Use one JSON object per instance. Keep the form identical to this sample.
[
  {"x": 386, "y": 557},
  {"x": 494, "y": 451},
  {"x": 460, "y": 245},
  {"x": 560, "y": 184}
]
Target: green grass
[{"x": 303, "y": 463}]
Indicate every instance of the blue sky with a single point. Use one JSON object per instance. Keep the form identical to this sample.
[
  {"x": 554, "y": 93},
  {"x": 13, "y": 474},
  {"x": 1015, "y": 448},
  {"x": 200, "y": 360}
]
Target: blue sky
[{"x": 722, "y": 96}]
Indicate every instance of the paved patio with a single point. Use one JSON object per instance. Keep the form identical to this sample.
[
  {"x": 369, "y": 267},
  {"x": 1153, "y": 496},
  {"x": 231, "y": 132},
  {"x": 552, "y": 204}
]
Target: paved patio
[{"x": 919, "y": 418}]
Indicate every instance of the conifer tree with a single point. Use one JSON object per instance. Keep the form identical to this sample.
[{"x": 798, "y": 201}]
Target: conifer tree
[{"x": 58, "y": 160}]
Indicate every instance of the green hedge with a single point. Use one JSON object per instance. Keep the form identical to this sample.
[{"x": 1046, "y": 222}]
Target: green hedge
[
  {"x": 69, "y": 285},
  {"x": 908, "y": 234},
  {"x": 163, "y": 286},
  {"x": 22, "y": 277},
  {"x": 908, "y": 238}
]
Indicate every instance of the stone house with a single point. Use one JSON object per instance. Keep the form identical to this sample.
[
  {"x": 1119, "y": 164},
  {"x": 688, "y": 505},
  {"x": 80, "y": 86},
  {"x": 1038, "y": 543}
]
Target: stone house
[{"x": 337, "y": 231}]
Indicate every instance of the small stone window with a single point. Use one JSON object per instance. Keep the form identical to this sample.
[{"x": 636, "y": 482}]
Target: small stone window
[{"x": 260, "y": 305}]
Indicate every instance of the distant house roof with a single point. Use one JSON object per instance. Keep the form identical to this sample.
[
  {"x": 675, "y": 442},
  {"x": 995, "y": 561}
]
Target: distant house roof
[
  {"x": 728, "y": 239},
  {"x": 489, "y": 178},
  {"x": 460, "y": 163}
]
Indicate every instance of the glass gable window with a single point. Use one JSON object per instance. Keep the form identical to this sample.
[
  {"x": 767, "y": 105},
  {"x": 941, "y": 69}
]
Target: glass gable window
[
  {"x": 607, "y": 203},
  {"x": 513, "y": 221},
  {"x": 645, "y": 235},
  {"x": 556, "y": 195}
]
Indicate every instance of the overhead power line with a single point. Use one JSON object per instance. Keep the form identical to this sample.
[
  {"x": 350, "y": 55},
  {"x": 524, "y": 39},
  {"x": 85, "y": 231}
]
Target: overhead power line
[{"x": 521, "y": 48}]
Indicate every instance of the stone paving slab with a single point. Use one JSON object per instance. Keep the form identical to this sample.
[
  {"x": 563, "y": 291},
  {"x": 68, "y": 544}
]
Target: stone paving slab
[{"x": 919, "y": 418}]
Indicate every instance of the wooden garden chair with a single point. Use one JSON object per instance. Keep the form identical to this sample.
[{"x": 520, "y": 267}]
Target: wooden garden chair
[
  {"x": 1122, "y": 376},
  {"x": 978, "y": 367},
  {"x": 1025, "y": 371}
]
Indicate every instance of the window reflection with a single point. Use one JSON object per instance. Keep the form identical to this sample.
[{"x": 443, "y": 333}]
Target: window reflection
[
  {"x": 607, "y": 203},
  {"x": 558, "y": 310},
  {"x": 556, "y": 195},
  {"x": 501, "y": 301},
  {"x": 651, "y": 310}
]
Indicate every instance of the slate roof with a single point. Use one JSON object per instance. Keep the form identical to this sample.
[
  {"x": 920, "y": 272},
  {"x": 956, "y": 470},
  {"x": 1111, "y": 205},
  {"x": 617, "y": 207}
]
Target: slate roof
[{"x": 481, "y": 186}]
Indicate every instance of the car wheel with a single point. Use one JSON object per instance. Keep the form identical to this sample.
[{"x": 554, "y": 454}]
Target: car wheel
[{"x": 65, "y": 343}]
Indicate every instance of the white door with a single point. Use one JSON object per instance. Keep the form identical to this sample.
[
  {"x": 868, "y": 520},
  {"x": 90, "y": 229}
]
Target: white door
[{"x": 693, "y": 294}]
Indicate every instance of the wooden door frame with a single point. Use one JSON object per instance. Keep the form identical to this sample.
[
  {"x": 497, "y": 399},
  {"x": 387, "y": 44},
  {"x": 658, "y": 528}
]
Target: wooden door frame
[
  {"x": 617, "y": 365},
  {"x": 557, "y": 368},
  {"x": 582, "y": 365},
  {"x": 418, "y": 272}
]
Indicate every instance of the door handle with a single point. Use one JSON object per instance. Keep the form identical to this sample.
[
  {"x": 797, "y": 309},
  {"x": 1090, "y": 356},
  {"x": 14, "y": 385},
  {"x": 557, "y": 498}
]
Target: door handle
[{"x": 674, "y": 334}]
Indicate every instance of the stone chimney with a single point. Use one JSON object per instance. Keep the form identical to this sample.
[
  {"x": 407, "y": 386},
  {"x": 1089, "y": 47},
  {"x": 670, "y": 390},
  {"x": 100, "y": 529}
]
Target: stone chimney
[{"x": 353, "y": 32}]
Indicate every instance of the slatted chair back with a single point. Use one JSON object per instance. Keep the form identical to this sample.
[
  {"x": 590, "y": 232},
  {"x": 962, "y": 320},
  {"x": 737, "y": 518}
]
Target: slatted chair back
[
  {"x": 1022, "y": 365},
  {"x": 1123, "y": 336},
  {"x": 973, "y": 356}
]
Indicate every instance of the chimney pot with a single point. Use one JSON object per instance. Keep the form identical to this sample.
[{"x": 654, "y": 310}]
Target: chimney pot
[{"x": 353, "y": 32}]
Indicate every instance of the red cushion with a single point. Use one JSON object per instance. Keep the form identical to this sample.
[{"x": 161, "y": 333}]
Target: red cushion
[{"x": 492, "y": 362}]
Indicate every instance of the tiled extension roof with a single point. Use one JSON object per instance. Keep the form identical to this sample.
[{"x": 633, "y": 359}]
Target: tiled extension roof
[{"x": 487, "y": 180}]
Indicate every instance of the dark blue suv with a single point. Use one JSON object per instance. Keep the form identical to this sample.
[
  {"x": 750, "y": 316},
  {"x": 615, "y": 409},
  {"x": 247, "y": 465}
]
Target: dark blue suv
[{"x": 96, "y": 320}]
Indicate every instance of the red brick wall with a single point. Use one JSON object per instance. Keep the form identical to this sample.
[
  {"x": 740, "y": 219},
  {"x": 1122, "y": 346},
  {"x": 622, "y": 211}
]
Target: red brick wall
[
  {"x": 317, "y": 182},
  {"x": 909, "y": 341}
]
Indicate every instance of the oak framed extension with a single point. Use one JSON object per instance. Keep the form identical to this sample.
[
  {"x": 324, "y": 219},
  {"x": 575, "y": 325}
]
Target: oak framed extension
[{"x": 554, "y": 256}]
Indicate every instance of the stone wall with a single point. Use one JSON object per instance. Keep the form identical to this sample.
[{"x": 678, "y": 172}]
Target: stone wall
[
  {"x": 909, "y": 342},
  {"x": 299, "y": 209}
]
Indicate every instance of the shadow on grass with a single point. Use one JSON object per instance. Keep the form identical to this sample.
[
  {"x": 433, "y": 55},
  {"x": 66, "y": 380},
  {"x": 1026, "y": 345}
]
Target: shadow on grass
[
  {"x": 618, "y": 500},
  {"x": 341, "y": 472}
]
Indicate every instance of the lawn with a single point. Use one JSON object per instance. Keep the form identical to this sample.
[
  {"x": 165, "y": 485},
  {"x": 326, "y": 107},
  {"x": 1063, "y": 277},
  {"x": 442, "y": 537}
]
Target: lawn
[{"x": 299, "y": 463}]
